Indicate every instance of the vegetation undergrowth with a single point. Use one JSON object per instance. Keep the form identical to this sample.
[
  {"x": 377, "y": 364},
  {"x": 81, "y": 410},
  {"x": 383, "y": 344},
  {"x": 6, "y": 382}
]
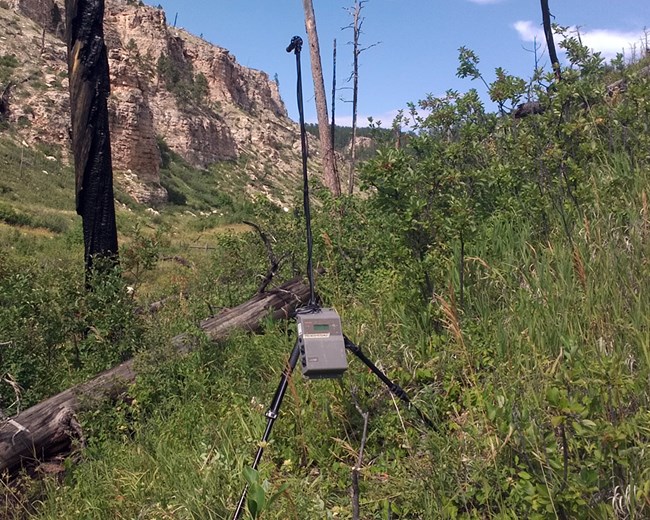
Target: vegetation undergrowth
[{"x": 496, "y": 268}]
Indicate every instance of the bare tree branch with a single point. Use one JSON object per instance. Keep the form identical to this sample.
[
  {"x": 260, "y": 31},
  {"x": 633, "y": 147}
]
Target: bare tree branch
[
  {"x": 357, "y": 468},
  {"x": 274, "y": 261}
]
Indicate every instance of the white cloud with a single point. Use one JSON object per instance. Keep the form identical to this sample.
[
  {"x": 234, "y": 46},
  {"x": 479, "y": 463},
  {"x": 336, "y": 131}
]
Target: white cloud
[
  {"x": 609, "y": 42},
  {"x": 528, "y": 31}
]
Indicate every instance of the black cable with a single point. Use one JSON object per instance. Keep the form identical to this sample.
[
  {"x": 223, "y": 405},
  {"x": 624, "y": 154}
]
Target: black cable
[
  {"x": 296, "y": 46},
  {"x": 394, "y": 388}
]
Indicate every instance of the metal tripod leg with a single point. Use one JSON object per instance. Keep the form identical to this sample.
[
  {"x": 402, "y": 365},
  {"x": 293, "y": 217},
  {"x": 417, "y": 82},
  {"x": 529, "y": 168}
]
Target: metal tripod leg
[
  {"x": 271, "y": 415},
  {"x": 395, "y": 389}
]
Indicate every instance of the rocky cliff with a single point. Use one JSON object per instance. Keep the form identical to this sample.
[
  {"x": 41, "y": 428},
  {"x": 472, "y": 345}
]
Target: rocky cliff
[{"x": 166, "y": 85}]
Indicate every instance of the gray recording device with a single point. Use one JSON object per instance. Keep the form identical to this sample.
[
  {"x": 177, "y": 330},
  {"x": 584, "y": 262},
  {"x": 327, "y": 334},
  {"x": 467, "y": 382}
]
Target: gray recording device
[{"x": 322, "y": 347}]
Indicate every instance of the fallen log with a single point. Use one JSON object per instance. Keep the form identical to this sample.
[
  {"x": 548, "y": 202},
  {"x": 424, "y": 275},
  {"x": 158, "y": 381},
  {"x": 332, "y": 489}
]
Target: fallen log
[
  {"x": 49, "y": 427},
  {"x": 620, "y": 86}
]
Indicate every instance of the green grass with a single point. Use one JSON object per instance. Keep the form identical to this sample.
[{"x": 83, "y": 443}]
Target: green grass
[
  {"x": 218, "y": 189},
  {"x": 8, "y": 62},
  {"x": 551, "y": 351},
  {"x": 27, "y": 177}
]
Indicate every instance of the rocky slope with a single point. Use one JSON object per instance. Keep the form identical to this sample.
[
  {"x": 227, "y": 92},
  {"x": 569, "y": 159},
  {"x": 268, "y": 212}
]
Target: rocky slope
[{"x": 166, "y": 85}]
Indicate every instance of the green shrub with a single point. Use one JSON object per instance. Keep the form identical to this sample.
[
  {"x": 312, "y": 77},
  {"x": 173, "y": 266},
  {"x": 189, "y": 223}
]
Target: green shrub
[
  {"x": 8, "y": 62},
  {"x": 180, "y": 80}
]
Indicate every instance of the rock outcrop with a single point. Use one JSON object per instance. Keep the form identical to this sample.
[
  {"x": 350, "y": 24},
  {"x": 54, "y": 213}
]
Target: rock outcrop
[
  {"x": 46, "y": 13},
  {"x": 166, "y": 84}
]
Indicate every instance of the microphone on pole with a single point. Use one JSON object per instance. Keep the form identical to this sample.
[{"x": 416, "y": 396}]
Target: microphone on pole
[{"x": 296, "y": 43}]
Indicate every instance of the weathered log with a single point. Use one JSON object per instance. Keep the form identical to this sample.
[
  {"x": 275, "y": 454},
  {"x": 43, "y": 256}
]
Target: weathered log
[
  {"x": 48, "y": 427},
  {"x": 620, "y": 86},
  {"x": 179, "y": 260}
]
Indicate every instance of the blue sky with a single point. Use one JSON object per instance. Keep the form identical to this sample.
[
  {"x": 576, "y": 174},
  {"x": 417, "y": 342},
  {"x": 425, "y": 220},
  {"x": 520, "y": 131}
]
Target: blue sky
[{"x": 419, "y": 40}]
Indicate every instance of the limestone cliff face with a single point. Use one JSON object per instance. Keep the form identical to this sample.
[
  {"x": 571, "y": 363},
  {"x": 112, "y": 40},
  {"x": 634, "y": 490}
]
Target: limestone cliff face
[
  {"x": 165, "y": 84},
  {"x": 47, "y": 13}
]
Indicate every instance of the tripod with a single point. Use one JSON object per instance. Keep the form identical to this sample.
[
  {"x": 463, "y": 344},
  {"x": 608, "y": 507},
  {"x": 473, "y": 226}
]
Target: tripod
[{"x": 332, "y": 368}]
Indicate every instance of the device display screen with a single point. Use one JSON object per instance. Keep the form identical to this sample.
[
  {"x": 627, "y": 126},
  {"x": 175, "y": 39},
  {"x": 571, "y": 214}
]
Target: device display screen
[{"x": 321, "y": 327}]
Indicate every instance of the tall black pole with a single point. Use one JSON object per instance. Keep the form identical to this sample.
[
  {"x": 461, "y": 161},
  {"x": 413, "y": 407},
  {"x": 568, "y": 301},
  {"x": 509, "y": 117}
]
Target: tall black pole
[
  {"x": 296, "y": 47},
  {"x": 271, "y": 415},
  {"x": 274, "y": 409}
]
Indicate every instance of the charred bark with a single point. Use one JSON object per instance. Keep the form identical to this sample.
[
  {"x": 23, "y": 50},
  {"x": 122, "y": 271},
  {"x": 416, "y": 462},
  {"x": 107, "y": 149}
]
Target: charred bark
[
  {"x": 4, "y": 101},
  {"x": 89, "y": 91},
  {"x": 528, "y": 109},
  {"x": 550, "y": 44}
]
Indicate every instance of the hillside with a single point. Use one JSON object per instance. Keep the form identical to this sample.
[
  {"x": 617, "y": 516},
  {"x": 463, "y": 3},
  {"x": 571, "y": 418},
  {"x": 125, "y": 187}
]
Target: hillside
[{"x": 170, "y": 90}]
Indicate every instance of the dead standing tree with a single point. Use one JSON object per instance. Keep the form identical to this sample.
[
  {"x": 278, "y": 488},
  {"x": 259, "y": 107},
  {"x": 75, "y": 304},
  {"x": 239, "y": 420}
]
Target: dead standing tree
[
  {"x": 356, "y": 29},
  {"x": 89, "y": 90},
  {"x": 331, "y": 176},
  {"x": 548, "y": 34},
  {"x": 357, "y": 22},
  {"x": 333, "y": 120}
]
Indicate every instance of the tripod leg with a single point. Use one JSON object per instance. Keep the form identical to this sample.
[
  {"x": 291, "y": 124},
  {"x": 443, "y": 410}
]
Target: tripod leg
[
  {"x": 271, "y": 415},
  {"x": 393, "y": 387}
]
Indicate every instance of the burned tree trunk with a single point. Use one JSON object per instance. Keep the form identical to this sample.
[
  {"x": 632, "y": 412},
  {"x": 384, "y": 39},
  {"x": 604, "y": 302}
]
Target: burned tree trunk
[
  {"x": 550, "y": 44},
  {"x": 4, "y": 101},
  {"x": 49, "y": 427},
  {"x": 356, "y": 29},
  {"x": 89, "y": 90},
  {"x": 357, "y": 23},
  {"x": 528, "y": 109},
  {"x": 333, "y": 121}
]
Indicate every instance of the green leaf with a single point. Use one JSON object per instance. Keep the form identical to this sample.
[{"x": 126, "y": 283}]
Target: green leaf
[
  {"x": 491, "y": 412},
  {"x": 553, "y": 396},
  {"x": 251, "y": 475},
  {"x": 277, "y": 494},
  {"x": 256, "y": 500}
]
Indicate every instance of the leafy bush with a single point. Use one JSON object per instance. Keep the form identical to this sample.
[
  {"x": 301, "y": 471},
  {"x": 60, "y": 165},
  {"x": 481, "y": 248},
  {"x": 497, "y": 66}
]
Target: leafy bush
[{"x": 8, "y": 62}]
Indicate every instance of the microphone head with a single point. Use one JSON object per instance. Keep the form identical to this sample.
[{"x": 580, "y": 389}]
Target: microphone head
[{"x": 296, "y": 43}]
